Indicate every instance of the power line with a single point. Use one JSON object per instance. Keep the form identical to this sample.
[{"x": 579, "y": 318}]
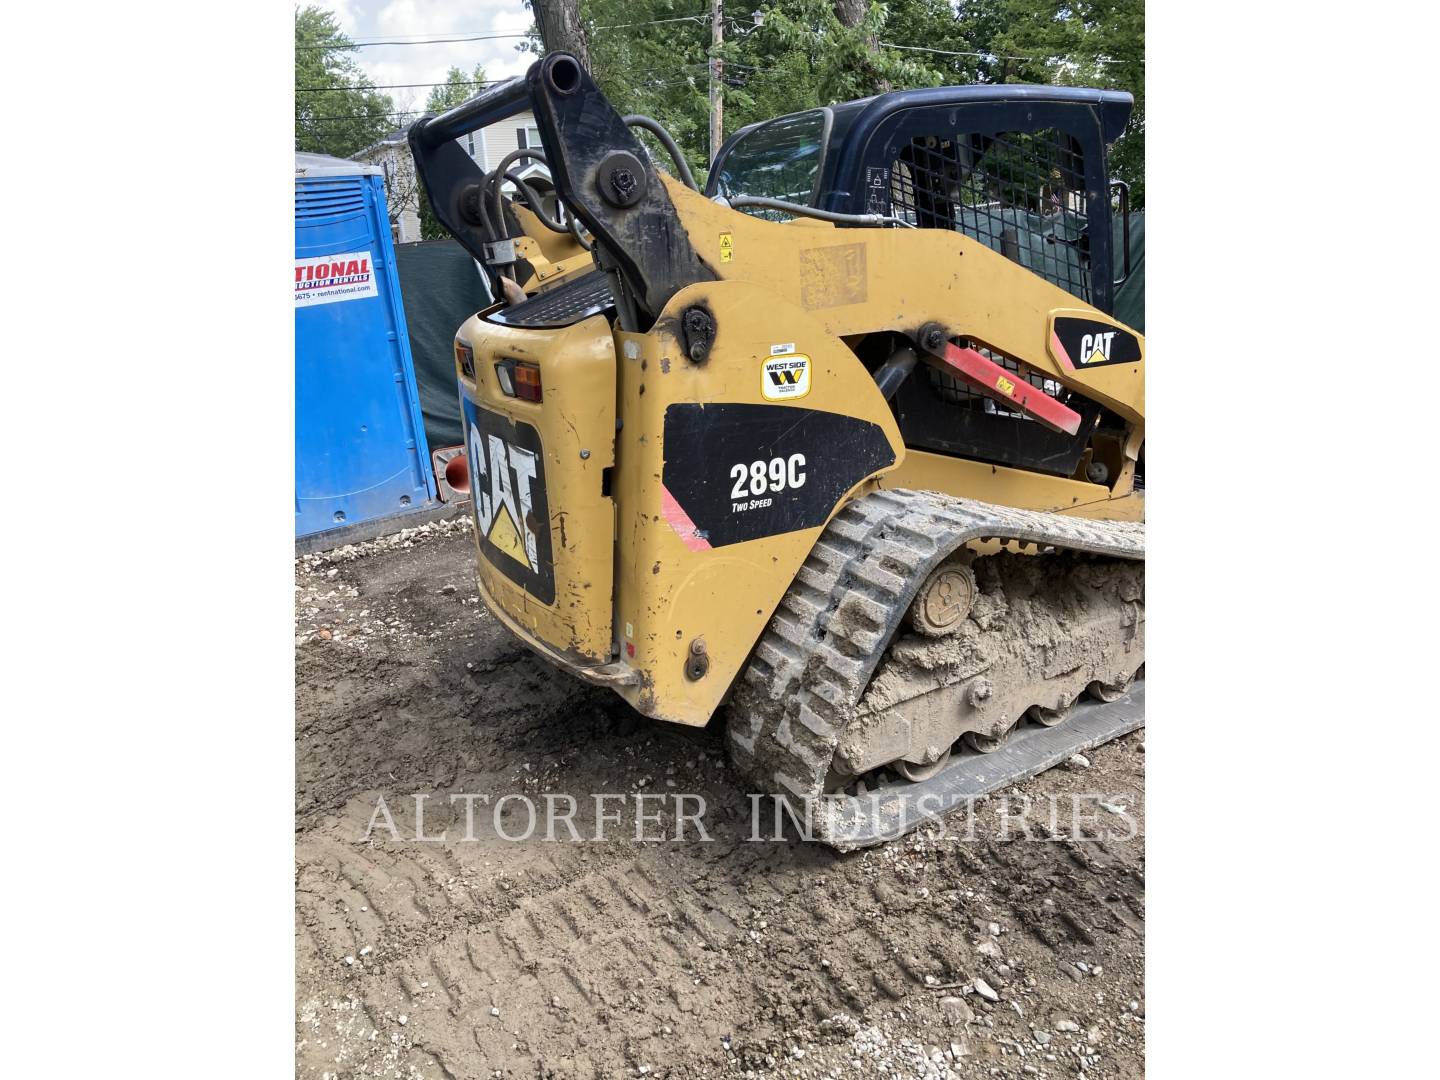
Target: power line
[
  {"x": 658, "y": 22},
  {"x": 360, "y": 116},
  {"x": 701, "y": 18},
  {"x": 702, "y": 66},
  {"x": 399, "y": 86},
  {"x": 997, "y": 56},
  {"x": 426, "y": 41},
  {"x": 462, "y": 82},
  {"x": 494, "y": 36}
]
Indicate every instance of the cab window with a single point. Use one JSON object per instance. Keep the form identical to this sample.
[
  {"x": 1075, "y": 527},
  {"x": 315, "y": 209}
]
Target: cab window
[{"x": 777, "y": 160}]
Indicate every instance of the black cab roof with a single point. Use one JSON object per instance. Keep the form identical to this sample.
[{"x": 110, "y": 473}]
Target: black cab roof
[{"x": 849, "y": 125}]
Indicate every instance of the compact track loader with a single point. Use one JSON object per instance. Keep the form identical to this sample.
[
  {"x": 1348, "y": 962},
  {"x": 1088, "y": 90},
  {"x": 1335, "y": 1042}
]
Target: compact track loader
[{"x": 847, "y": 446}]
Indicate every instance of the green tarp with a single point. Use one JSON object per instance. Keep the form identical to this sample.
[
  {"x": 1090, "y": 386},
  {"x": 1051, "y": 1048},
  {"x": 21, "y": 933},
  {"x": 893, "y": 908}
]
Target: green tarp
[
  {"x": 442, "y": 287},
  {"x": 1036, "y": 249},
  {"x": 1130, "y": 297}
]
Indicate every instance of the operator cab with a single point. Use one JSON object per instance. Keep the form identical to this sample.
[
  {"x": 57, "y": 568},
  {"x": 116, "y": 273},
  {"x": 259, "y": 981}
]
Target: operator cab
[{"x": 1021, "y": 169}]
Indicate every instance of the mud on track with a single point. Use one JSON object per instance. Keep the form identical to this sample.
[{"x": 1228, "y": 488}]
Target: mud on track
[{"x": 622, "y": 958}]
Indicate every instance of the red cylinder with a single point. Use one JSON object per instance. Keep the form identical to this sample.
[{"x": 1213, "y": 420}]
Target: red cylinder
[{"x": 457, "y": 474}]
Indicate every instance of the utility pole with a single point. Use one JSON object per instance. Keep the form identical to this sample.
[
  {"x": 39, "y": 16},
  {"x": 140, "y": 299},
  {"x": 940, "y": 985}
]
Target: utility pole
[{"x": 717, "y": 92}]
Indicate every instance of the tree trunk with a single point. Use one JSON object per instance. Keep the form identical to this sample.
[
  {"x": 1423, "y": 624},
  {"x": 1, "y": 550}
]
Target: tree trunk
[
  {"x": 561, "y": 29},
  {"x": 849, "y": 12}
]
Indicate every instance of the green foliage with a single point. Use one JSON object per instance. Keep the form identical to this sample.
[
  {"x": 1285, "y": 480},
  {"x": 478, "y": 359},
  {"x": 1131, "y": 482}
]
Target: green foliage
[
  {"x": 1098, "y": 43},
  {"x": 339, "y": 121},
  {"x": 661, "y": 71},
  {"x": 803, "y": 56},
  {"x": 430, "y": 227},
  {"x": 455, "y": 90},
  {"x": 800, "y": 57}
]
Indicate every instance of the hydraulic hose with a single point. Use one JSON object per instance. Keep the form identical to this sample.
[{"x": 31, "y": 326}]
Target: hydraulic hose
[
  {"x": 500, "y": 171},
  {"x": 666, "y": 140},
  {"x": 532, "y": 200},
  {"x": 739, "y": 202},
  {"x": 575, "y": 232}
]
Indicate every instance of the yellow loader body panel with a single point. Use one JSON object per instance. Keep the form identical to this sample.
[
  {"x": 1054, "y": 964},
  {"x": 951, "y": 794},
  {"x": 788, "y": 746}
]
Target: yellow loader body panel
[{"x": 637, "y": 597}]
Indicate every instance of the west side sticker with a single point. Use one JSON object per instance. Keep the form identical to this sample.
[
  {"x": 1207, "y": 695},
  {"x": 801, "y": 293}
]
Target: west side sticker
[
  {"x": 785, "y": 377},
  {"x": 331, "y": 279}
]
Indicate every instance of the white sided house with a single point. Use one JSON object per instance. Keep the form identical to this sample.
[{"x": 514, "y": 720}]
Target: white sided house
[{"x": 487, "y": 147}]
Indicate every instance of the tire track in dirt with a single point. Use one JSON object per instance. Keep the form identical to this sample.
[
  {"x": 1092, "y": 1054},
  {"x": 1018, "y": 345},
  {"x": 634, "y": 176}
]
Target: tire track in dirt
[{"x": 695, "y": 959}]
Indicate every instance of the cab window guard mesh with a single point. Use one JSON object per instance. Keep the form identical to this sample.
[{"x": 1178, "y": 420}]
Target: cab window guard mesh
[{"x": 1019, "y": 193}]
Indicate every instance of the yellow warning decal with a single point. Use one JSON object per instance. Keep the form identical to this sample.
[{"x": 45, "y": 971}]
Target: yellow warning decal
[
  {"x": 506, "y": 537},
  {"x": 1005, "y": 386},
  {"x": 727, "y": 247}
]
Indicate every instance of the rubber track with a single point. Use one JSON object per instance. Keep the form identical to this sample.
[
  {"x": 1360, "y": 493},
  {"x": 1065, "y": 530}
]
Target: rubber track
[{"x": 813, "y": 663}]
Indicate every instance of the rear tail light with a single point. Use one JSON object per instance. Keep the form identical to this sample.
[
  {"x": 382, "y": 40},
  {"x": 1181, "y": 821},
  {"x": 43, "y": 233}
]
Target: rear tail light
[
  {"x": 519, "y": 379},
  {"x": 527, "y": 382},
  {"x": 465, "y": 357}
]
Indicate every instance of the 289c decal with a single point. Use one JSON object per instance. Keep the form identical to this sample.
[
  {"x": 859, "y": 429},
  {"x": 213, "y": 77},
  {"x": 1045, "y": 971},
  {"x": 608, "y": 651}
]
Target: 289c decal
[
  {"x": 762, "y": 477},
  {"x": 737, "y": 471}
]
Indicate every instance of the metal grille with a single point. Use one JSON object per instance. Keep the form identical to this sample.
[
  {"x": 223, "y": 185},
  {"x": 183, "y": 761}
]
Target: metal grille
[
  {"x": 563, "y": 305},
  {"x": 1019, "y": 193},
  {"x": 958, "y": 392}
]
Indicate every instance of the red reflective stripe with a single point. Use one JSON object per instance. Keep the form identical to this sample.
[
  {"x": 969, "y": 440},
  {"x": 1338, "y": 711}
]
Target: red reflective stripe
[
  {"x": 675, "y": 515},
  {"x": 990, "y": 378}
]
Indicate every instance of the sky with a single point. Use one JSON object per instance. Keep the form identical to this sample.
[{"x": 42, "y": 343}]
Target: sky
[{"x": 392, "y": 20}]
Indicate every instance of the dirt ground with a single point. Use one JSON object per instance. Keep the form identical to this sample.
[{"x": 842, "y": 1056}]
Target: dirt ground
[{"x": 1005, "y": 947}]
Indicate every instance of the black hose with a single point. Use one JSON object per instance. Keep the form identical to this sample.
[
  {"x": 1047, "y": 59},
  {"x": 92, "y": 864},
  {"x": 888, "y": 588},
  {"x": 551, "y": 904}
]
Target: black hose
[
  {"x": 575, "y": 232},
  {"x": 667, "y": 141},
  {"x": 500, "y": 171},
  {"x": 534, "y": 202},
  {"x": 738, "y": 202},
  {"x": 487, "y": 227}
]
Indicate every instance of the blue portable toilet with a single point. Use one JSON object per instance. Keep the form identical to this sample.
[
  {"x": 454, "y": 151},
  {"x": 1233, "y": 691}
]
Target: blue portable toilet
[{"x": 360, "y": 453}]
